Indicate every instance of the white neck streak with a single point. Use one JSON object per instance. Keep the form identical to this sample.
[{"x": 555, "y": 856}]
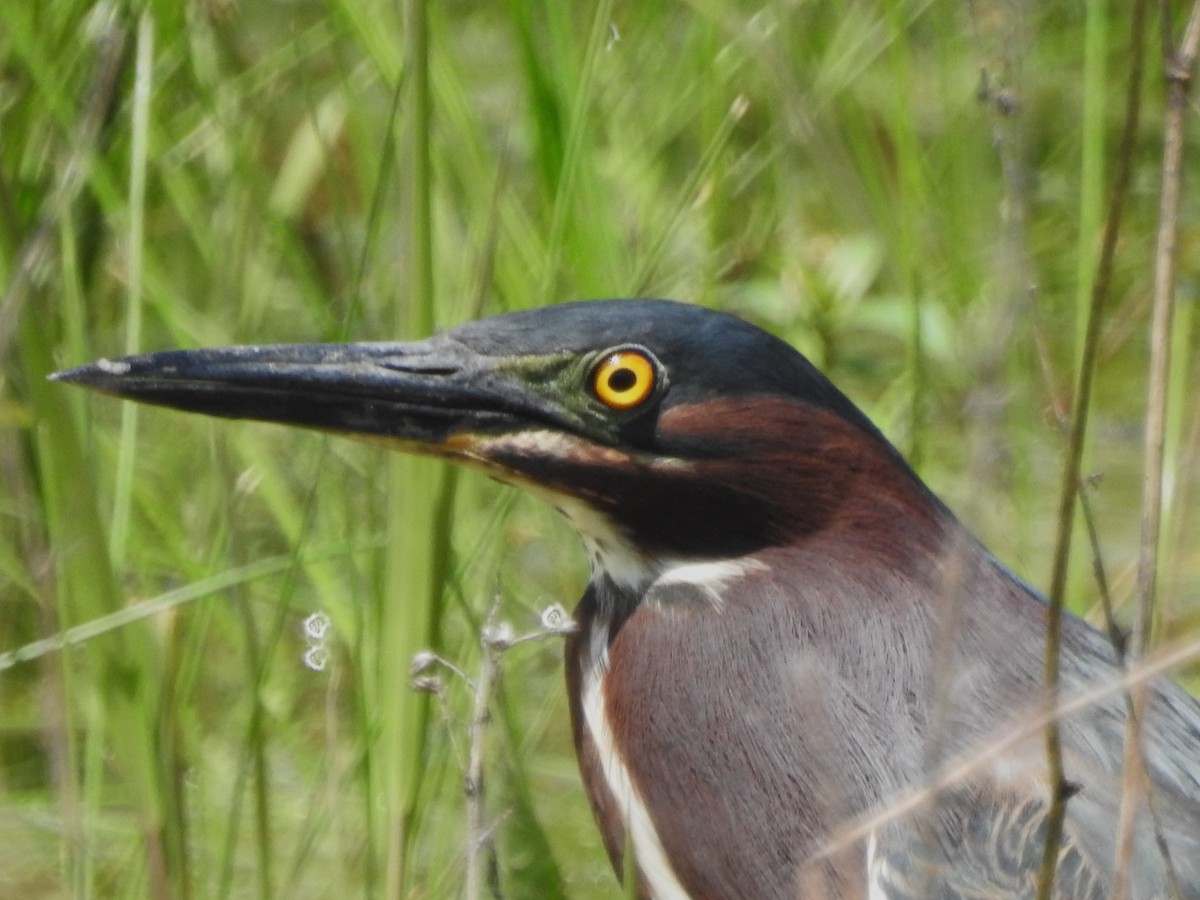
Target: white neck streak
[{"x": 648, "y": 853}]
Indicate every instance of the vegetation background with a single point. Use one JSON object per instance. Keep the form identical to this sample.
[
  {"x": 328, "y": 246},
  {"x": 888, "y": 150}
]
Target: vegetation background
[{"x": 911, "y": 191}]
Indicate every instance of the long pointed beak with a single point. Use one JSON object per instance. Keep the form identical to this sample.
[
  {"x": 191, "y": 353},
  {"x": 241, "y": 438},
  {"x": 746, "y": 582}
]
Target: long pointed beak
[{"x": 421, "y": 393}]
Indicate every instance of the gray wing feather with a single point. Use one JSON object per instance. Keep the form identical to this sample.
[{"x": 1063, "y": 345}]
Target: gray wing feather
[{"x": 975, "y": 845}]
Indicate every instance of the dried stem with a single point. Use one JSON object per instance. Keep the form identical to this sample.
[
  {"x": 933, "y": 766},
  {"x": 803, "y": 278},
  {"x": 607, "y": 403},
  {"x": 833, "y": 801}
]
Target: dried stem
[
  {"x": 495, "y": 639},
  {"x": 1079, "y": 418},
  {"x": 1115, "y": 636},
  {"x": 477, "y": 832},
  {"x": 1179, "y": 66}
]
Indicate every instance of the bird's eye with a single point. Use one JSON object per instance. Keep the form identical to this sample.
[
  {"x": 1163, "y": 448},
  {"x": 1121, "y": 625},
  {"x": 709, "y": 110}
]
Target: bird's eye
[{"x": 623, "y": 379}]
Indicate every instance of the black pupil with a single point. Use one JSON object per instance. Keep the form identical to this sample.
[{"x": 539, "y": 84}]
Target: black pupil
[{"x": 622, "y": 380}]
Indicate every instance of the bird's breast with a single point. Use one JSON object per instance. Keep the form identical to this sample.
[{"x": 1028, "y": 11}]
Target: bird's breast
[{"x": 696, "y": 722}]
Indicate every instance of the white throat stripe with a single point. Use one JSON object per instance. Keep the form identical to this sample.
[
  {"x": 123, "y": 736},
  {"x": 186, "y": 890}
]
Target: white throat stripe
[{"x": 648, "y": 850}]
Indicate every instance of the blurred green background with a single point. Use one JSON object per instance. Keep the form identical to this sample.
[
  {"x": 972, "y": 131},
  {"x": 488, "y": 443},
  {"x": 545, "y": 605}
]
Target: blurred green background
[{"x": 910, "y": 191}]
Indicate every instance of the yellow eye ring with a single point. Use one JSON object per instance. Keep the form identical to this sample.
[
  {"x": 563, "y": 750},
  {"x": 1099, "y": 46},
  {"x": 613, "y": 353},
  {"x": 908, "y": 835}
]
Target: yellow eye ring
[{"x": 623, "y": 379}]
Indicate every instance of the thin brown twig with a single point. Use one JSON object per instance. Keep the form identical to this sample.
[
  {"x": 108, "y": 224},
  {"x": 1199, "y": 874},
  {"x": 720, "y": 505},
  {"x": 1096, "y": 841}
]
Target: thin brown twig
[
  {"x": 1057, "y": 812},
  {"x": 1116, "y": 637},
  {"x": 1119, "y": 642},
  {"x": 1178, "y": 73}
]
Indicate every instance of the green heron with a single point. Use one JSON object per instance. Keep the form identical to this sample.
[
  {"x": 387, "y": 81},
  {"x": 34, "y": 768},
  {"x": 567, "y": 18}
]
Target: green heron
[{"x": 784, "y": 630}]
